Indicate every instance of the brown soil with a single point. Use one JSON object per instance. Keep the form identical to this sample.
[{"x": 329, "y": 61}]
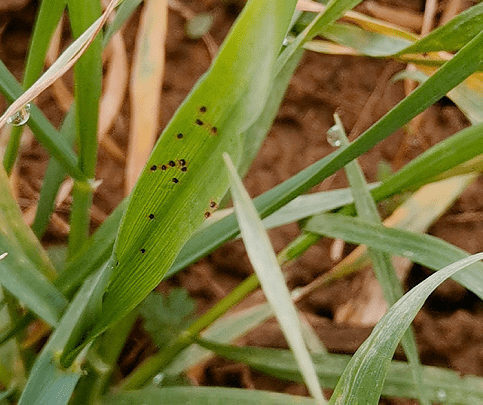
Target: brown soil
[{"x": 450, "y": 327}]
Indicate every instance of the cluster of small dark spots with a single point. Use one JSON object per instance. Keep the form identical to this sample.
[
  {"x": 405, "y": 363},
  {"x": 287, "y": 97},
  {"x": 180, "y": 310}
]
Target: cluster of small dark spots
[
  {"x": 171, "y": 163},
  {"x": 151, "y": 216},
  {"x": 153, "y": 168},
  {"x": 214, "y": 130},
  {"x": 163, "y": 167},
  {"x": 207, "y": 214},
  {"x": 199, "y": 122},
  {"x": 174, "y": 180},
  {"x": 202, "y": 109},
  {"x": 179, "y": 136},
  {"x": 182, "y": 162},
  {"x": 142, "y": 250}
]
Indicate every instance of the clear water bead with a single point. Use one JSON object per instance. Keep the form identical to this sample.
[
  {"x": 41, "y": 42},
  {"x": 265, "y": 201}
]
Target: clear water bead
[
  {"x": 441, "y": 394},
  {"x": 158, "y": 379},
  {"x": 285, "y": 42},
  {"x": 20, "y": 117},
  {"x": 333, "y": 136}
]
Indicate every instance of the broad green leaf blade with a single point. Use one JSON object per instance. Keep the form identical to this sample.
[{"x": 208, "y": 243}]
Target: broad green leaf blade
[
  {"x": 363, "y": 378},
  {"x": 204, "y": 396},
  {"x": 49, "y": 382},
  {"x": 264, "y": 262},
  {"x": 93, "y": 254},
  {"x": 382, "y": 263},
  {"x": 438, "y": 383},
  {"x": 427, "y": 250},
  {"x": 184, "y": 179}
]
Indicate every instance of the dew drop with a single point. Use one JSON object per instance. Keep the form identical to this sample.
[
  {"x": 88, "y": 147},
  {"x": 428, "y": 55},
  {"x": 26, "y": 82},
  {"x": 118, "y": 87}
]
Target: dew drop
[
  {"x": 20, "y": 117},
  {"x": 408, "y": 254},
  {"x": 285, "y": 42},
  {"x": 441, "y": 394},
  {"x": 333, "y": 136},
  {"x": 158, "y": 379}
]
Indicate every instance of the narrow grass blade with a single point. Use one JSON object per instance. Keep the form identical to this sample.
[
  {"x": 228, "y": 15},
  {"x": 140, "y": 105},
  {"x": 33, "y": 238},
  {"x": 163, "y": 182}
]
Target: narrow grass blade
[
  {"x": 204, "y": 396},
  {"x": 264, "y": 261},
  {"x": 27, "y": 271},
  {"x": 427, "y": 250},
  {"x": 186, "y": 164},
  {"x": 48, "y": 379},
  {"x": 43, "y": 130},
  {"x": 62, "y": 65},
  {"x": 88, "y": 81},
  {"x": 437, "y": 382},
  {"x": 124, "y": 11},
  {"x": 49, "y": 14},
  {"x": 363, "y": 378},
  {"x": 382, "y": 264}
]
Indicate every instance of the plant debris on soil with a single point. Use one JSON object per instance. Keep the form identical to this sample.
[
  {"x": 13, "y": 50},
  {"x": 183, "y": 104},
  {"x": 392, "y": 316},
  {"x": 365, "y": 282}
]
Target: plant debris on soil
[{"x": 449, "y": 329}]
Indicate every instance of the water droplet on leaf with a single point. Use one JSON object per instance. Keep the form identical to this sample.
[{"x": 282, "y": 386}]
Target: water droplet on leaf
[
  {"x": 20, "y": 117},
  {"x": 333, "y": 136},
  {"x": 441, "y": 394}
]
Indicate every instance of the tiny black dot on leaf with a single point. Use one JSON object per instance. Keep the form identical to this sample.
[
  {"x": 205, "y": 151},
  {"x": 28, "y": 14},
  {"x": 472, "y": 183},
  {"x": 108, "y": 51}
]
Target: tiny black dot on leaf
[
  {"x": 171, "y": 163},
  {"x": 212, "y": 204},
  {"x": 151, "y": 216},
  {"x": 214, "y": 130},
  {"x": 142, "y": 250},
  {"x": 117, "y": 263},
  {"x": 207, "y": 214},
  {"x": 174, "y": 180},
  {"x": 184, "y": 169},
  {"x": 163, "y": 167},
  {"x": 182, "y": 162},
  {"x": 202, "y": 109},
  {"x": 199, "y": 122},
  {"x": 179, "y": 136},
  {"x": 153, "y": 168}
]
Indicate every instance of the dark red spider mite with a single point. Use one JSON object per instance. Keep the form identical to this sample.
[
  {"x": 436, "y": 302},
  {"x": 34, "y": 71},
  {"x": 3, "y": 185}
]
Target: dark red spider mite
[
  {"x": 142, "y": 250},
  {"x": 174, "y": 180},
  {"x": 179, "y": 136},
  {"x": 199, "y": 122},
  {"x": 203, "y": 109},
  {"x": 214, "y": 130},
  {"x": 151, "y": 216},
  {"x": 207, "y": 214},
  {"x": 163, "y": 167},
  {"x": 153, "y": 168},
  {"x": 182, "y": 162},
  {"x": 213, "y": 204},
  {"x": 184, "y": 169},
  {"x": 171, "y": 163}
]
